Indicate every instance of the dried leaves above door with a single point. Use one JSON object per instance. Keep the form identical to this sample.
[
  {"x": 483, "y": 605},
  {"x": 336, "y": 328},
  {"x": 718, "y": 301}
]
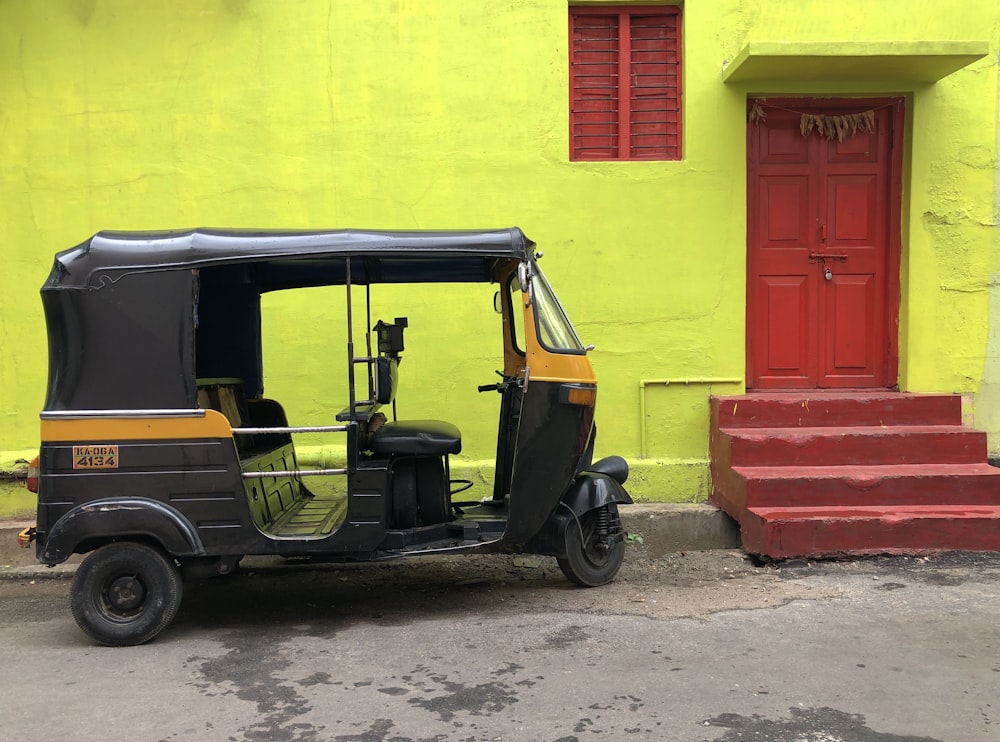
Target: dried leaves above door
[{"x": 830, "y": 126}]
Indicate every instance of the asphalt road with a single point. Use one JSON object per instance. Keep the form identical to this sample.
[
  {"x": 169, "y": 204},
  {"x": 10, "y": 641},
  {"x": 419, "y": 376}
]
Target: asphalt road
[{"x": 697, "y": 646}]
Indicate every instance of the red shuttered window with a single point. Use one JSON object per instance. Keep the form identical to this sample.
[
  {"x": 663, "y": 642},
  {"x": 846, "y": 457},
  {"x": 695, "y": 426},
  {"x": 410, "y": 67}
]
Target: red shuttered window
[{"x": 625, "y": 83}]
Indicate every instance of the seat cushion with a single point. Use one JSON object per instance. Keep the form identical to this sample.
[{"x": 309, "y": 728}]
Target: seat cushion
[{"x": 417, "y": 438}]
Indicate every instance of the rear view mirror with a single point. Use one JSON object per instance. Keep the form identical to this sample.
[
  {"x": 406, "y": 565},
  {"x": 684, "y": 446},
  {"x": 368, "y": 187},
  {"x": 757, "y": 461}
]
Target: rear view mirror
[
  {"x": 523, "y": 276},
  {"x": 497, "y": 304}
]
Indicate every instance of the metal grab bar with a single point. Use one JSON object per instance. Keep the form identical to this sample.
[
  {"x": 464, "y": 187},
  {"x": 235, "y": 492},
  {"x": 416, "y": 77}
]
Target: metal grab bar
[
  {"x": 308, "y": 429},
  {"x": 293, "y": 473}
]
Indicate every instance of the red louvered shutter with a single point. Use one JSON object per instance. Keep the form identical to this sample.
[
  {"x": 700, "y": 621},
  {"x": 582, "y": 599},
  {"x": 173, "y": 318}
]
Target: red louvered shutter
[
  {"x": 654, "y": 105},
  {"x": 594, "y": 86},
  {"x": 639, "y": 119}
]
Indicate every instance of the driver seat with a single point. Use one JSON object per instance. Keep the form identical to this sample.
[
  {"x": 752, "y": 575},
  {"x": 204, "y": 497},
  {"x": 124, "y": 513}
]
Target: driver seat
[
  {"x": 407, "y": 437},
  {"x": 418, "y": 452},
  {"x": 416, "y": 438}
]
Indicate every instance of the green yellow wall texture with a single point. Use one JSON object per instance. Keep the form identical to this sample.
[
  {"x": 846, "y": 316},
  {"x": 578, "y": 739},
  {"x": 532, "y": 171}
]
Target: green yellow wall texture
[{"x": 410, "y": 114}]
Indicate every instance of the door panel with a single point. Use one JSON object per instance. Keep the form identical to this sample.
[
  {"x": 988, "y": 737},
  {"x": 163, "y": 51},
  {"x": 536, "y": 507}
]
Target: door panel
[
  {"x": 860, "y": 147},
  {"x": 785, "y": 202},
  {"x": 783, "y": 144},
  {"x": 786, "y": 300},
  {"x": 849, "y": 335},
  {"x": 855, "y": 181},
  {"x": 852, "y": 219},
  {"x": 785, "y": 337},
  {"x": 818, "y": 238}
]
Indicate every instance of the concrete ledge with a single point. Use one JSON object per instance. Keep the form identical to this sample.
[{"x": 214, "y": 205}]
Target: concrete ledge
[
  {"x": 659, "y": 528},
  {"x": 672, "y": 527},
  {"x": 924, "y": 61}
]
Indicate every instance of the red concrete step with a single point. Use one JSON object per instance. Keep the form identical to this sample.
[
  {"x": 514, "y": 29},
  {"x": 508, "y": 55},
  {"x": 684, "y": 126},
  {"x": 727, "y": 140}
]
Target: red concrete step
[
  {"x": 838, "y": 531},
  {"x": 816, "y": 409},
  {"x": 826, "y": 474},
  {"x": 851, "y": 486},
  {"x": 900, "y": 444}
]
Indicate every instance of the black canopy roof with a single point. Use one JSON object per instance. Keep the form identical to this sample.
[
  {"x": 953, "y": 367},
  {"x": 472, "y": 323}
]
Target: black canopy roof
[
  {"x": 295, "y": 258},
  {"x": 131, "y": 325}
]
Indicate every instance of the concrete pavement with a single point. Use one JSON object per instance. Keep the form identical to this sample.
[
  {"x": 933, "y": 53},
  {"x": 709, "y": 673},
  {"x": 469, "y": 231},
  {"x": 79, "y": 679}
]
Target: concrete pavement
[{"x": 705, "y": 646}]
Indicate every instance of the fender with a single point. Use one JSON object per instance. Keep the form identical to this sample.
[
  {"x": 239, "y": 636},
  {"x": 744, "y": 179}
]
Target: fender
[
  {"x": 118, "y": 518},
  {"x": 592, "y": 490},
  {"x": 589, "y": 491}
]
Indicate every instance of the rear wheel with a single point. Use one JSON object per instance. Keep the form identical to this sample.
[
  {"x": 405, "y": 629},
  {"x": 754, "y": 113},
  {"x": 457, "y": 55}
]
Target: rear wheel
[
  {"x": 404, "y": 494},
  {"x": 594, "y": 551},
  {"x": 125, "y": 594},
  {"x": 432, "y": 491}
]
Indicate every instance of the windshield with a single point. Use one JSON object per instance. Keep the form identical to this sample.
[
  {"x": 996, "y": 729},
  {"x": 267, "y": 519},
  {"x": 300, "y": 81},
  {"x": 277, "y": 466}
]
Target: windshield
[{"x": 555, "y": 331}]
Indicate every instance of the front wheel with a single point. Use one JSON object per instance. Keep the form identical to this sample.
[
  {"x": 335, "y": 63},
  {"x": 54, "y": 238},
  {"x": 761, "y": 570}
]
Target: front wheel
[
  {"x": 594, "y": 548},
  {"x": 125, "y": 594}
]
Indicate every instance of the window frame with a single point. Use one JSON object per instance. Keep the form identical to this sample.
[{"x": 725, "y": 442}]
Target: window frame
[
  {"x": 624, "y": 122},
  {"x": 513, "y": 291}
]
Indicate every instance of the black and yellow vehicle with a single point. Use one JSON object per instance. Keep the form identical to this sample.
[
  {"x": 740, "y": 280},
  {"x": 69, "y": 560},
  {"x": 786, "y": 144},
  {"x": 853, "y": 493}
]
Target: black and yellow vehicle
[{"x": 161, "y": 458}]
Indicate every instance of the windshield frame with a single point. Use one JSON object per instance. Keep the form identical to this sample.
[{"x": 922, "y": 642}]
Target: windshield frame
[
  {"x": 553, "y": 328},
  {"x": 514, "y": 295}
]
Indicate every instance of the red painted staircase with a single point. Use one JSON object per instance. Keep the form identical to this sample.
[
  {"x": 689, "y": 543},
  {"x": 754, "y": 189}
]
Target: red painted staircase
[{"x": 837, "y": 473}]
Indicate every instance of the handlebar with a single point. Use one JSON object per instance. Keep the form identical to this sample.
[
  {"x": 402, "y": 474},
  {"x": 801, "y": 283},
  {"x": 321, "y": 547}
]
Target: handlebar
[{"x": 507, "y": 383}]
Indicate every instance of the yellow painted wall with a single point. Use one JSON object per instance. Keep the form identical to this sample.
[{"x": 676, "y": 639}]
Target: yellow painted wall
[{"x": 116, "y": 114}]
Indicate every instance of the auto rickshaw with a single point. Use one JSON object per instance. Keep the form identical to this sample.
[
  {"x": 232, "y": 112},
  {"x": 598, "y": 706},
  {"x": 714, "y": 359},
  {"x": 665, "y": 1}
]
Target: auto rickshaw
[{"x": 161, "y": 459}]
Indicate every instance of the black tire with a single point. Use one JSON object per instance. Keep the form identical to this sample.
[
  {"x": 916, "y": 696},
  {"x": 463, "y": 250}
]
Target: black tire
[
  {"x": 432, "y": 492},
  {"x": 125, "y": 594},
  {"x": 404, "y": 494},
  {"x": 585, "y": 562}
]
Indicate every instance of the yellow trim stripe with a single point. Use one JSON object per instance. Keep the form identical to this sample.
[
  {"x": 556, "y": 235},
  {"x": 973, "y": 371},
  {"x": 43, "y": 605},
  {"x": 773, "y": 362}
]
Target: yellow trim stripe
[{"x": 212, "y": 425}]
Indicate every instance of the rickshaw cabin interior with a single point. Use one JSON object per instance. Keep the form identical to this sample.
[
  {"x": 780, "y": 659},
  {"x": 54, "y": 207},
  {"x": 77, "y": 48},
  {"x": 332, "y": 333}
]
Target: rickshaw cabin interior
[{"x": 229, "y": 371}]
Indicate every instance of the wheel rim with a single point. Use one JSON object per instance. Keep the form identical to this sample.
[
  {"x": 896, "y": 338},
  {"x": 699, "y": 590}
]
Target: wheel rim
[{"x": 123, "y": 596}]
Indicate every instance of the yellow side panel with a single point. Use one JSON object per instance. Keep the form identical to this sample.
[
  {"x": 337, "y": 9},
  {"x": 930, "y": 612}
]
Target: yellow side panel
[{"x": 212, "y": 425}]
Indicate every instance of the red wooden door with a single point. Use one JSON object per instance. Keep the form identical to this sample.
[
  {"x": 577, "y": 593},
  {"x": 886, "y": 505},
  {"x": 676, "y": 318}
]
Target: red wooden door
[{"x": 822, "y": 278}]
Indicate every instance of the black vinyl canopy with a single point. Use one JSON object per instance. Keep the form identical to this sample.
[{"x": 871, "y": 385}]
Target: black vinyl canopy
[
  {"x": 289, "y": 259},
  {"x": 134, "y": 317}
]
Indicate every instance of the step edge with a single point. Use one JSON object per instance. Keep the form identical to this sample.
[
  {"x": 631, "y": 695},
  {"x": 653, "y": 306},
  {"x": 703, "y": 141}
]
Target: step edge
[
  {"x": 810, "y": 395},
  {"x": 874, "y": 512},
  {"x": 848, "y": 471},
  {"x": 859, "y": 430}
]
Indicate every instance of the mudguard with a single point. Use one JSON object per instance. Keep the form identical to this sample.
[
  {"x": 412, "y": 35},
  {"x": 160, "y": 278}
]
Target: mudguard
[
  {"x": 594, "y": 490},
  {"x": 118, "y": 519},
  {"x": 614, "y": 466},
  {"x": 590, "y": 490}
]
